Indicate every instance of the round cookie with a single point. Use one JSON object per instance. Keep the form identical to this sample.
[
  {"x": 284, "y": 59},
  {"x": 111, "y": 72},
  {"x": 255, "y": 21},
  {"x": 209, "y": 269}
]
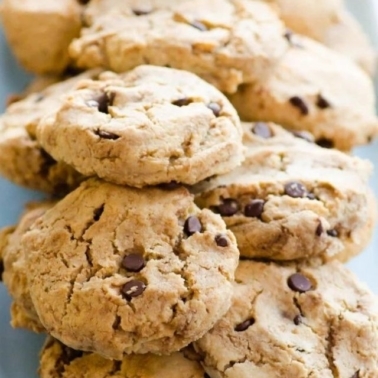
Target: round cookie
[
  {"x": 149, "y": 126},
  {"x": 116, "y": 270},
  {"x": 22, "y": 160},
  {"x": 15, "y": 275},
  {"x": 58, "y": 361},
  {"x": 39, "y": 33},
  {"x": 294, "y": 321},
  {"x": 226, "y": 42},
  {"x": 292, "y": 199},
  {"x": 315, "y": 89}
]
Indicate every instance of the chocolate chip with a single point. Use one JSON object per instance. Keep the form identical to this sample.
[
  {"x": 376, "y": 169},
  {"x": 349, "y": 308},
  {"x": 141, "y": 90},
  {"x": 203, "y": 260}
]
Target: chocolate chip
[
  {"x": 102, "y": 102},
  {"x": 133, "y": 289},
  {"x": 199, "y": 25},
  {"x": 295, "y": 189},
  {"x": 333, "y": 233},
  {"x": 298, "y": 282},
  {"x": 325, "y": 143},
  {"x": 300, "y": 104},
  {"x": 319, "y": 230},
  {"x": 170, "y": 185},
  {"x": 356, "y": 374},
  {"x": 182, "y": 101},
  {"x": 262, "y": 130},
  {"x": 106, "y": 135},
  {"x": 192, "y": 225},
  {"x": 221, "y": 241},
  {"x": 245, "y": 325},
  {"x": 297, "y": 320},
  {"x": 133, "y": 262},
  {"x": 254, "y": 209},
  {"x": 311, "y": 196},
  {"x": 228, "y": 207},
  {"x": 322, "y": 103},
  {"x": 215, "y": 108},
  {"x": 304, "y": 135},
  {"x": 141, "y": 12},
  {"x": 98, "y": 212}
]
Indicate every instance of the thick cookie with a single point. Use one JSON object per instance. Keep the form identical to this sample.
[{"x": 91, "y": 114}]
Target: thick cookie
[
  {"x": 292, "y": 199},
  {"x": 40, "y": 32},
  {"x": 315, "y": 89},
  {"x": 15, "y": 275},
  {"x": 288, "y": 321},
  {"x": 60, "y": 361},
  {"x": 149, "y": 126},
  {"x": 116, "y": 270},
  {"x": 22, "y": 160},
  {"x": 226, "y": 42}
]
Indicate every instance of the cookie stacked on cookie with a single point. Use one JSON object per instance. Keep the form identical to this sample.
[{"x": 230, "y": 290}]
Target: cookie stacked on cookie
[{"x": 190, "y": 234}]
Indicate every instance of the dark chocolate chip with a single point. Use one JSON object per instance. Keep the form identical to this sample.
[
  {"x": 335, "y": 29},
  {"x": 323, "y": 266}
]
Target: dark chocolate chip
[
  {"x": 254, "y": 209},
  {"x": 192, "y": 225},
  {"x": 199, "y": 25},
  {"x": 228, "y": 207},
  {"x": 133, "y": 289},
  {"x": 221, "y": 241},
  {"x": 304, "y": 135},
  {"x": 182, "y": 101},
  {"x": 102, "y": 102},
  {"x": 133, "y": 262},
  {"x": 98, "y": 212},
  {"x": 245, "y": 325},
  {"x": 322, "y": 103},
  {"x": 141, "y": 12},
  {"x": 297, "y": 320},
  {"x": 215, "y": 108},
  {"x": 356, "y": 374},
  {"x": 107, "y": 135},
  {"x": 319, "y": 230},
  {"x": 325, "y": 143},
  {"x": 170, "y": 185},
  {"x": 298, "y": 282},
  {"x": 295, "y": 189},
  {"x": 333, "y": 233},
  {"x": 300, "y": 104},
  {"x": 262, "y": 130}
]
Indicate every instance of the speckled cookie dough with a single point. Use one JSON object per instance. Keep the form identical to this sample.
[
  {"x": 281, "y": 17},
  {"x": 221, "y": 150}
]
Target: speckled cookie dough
[
  {"x": 294, "y": 321},
  {"x": 116, "y": 270},
  {"x": 149, "y": 126},
  {"x": 315, "y": 89},
  {"x": 292, "y": 199},
  {"x": 60, "y": 361},
  {"x": 226, "y": 42}
]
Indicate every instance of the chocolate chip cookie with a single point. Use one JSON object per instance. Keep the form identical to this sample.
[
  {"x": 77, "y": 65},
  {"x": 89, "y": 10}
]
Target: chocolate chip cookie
[
  {"x": 292, "y": 199},
  {"x": 116, "y": 270},
  {"x": 149, "y": 126},
  {"x": 294, "y": 321},
  {"x": 316, "y": 89}
]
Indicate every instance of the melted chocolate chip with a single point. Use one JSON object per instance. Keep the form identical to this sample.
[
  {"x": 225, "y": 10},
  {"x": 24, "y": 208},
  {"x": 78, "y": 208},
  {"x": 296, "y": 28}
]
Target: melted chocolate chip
[
  {"x": 295, "y": 189},
  {"x": 133, "y": 289},
  {"x": 319, "y": 230},
  {"x": 322, "y": 103},
  {"x": 304, "y": 135},
  {"x": 97, "y": 213},
  {"x": 141, "y": 12},
  {"x": 245, "y": 325},
  {"x": 297, "y": 320},
  {"x": 102, "y": 102},
  {"x": 333, "y": 233},
  {"x": 228, "y": 208},
  {"x": 298, "y": 282},
  {"x": 170, "y": 185},
  {"x": 192, "y": 225},
  {"x": 133, "y": 262},
  {"x": 254, "y": 209},
  {"x": 182, "y": 101},
  {"x": 199, "y": 25},
  {"x": 325, "y": 143},
  {"x": 221, "y": 241},
  {"x": 299, "y": 104},
  {"x": 106, "y": 135},
  {"x": 215, "y": 108},
  {"x": 262, "y": 130}
]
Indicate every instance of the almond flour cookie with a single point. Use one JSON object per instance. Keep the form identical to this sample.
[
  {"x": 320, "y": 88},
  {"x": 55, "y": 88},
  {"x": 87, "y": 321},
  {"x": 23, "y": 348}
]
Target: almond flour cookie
[
  {"x": 315, "y": 89},
  {"x": 226, "y": 42},
  {"x": 292, "y": 199},
  {"x": 294, "y": 321},
  {"x": 22, "y": 160},
  {"x": 39, "y": 32},
  {"x": 116, "y": 270},
  {"x": 60, "y": 361},
  {"x": 149, "y": 126},
  {"x": 15, "y": 273}
]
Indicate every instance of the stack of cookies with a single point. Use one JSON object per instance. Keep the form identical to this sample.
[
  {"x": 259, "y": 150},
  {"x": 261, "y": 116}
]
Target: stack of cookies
[{"x": 202, "y": 195}]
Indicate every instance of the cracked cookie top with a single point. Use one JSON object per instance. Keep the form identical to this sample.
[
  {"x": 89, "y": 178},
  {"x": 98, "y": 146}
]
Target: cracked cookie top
[
  {"x": 294, "y": 321},
  {"x": 149, "y": 126},
  {"x": 58, "y": 361},
  {"x": 291, "y": 199},
  {"x": 116, "y": 270},
  {"x": 226, "y": 42}
]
